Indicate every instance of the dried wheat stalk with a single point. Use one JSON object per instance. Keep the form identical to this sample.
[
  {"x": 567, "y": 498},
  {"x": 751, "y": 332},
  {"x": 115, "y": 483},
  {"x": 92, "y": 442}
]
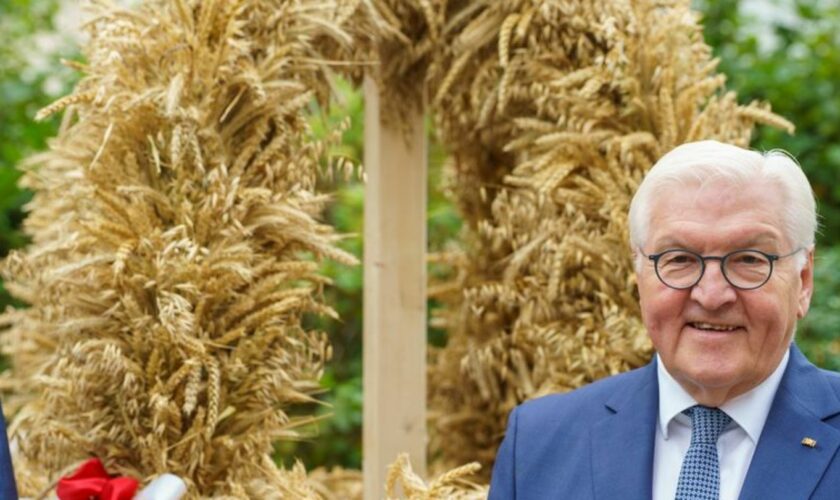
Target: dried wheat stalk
[{"x": 403, "y": 482}]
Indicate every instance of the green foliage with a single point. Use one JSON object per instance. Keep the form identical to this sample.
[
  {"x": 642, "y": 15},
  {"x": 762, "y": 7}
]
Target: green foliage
[{"x": 335, "y": 437}]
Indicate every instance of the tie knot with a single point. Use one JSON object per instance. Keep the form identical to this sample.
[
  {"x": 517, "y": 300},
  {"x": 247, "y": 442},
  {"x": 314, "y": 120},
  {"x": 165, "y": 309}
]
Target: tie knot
[{"x": 707, "y": 423}]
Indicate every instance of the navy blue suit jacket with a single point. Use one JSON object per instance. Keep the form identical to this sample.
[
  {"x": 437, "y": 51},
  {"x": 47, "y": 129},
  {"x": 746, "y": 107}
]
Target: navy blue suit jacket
[
  {"x": 597, "y": 442},
  {"x": 7, "y": 476}
]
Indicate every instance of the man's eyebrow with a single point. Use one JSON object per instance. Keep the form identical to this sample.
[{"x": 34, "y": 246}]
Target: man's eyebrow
[
  {"x": 758, "y": 239},
  {"x": 754, "y": 240}
]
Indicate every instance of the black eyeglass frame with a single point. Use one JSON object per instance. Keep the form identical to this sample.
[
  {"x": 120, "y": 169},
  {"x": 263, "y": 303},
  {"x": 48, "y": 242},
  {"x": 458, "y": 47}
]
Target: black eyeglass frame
[{"x": 720, "y": 258}]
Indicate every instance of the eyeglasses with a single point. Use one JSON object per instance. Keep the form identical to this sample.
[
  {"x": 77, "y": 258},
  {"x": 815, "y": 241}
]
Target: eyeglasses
[{"x": 743, "y": 269}]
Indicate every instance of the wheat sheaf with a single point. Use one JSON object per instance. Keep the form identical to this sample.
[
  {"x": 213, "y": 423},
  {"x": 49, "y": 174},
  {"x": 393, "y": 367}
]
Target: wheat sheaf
[{"x": 176, "y": 241}]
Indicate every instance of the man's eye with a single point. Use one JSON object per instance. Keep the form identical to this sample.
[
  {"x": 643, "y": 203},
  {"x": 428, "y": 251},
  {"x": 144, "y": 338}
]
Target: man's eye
[
  {"x": 749, "y": 259},
  {"x": 678, "y": 259}
]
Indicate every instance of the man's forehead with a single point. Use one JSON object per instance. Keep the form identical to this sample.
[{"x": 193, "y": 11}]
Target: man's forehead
[{"x": 708, "y": 202}]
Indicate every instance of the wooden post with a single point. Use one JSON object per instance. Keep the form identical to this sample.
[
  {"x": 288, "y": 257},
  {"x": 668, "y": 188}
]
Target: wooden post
[{"x": 394, "y": 343}]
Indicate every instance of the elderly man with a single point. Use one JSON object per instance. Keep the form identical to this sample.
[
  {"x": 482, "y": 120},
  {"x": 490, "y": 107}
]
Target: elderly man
[{"x": 729, "y": 408}]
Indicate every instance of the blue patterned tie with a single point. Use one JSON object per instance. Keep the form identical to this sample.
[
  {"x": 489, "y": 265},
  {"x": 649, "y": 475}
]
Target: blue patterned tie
[{"x": 700, "y": 473}]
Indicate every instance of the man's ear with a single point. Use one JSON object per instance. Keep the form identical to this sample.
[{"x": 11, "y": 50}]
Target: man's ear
[{"x": 806, "y": 280}]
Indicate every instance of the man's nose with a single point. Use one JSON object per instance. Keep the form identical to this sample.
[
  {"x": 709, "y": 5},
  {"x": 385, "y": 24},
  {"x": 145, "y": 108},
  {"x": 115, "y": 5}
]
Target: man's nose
[{"x": 713, "y": 291}]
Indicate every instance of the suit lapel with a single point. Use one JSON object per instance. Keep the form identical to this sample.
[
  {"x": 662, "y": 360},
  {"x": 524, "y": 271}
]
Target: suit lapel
[
  {"x": 782, "y": 466},
  {"x": 623, "y": 442}
]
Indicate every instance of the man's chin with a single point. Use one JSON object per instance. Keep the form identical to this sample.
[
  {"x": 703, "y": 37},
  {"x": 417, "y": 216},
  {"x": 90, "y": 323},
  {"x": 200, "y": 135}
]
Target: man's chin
[{"x": 712, "y": 374}]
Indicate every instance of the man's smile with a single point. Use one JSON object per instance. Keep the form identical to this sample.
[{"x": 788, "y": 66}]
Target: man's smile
[{"x": 714, "y": 327}]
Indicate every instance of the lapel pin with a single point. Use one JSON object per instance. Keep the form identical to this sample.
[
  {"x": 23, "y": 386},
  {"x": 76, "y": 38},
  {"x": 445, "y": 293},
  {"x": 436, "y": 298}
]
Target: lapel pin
[{"x": 809, "y": 442}]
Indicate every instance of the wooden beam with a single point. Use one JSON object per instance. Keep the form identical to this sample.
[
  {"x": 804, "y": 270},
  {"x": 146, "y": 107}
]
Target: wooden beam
[{"x": 394, "y": 343}]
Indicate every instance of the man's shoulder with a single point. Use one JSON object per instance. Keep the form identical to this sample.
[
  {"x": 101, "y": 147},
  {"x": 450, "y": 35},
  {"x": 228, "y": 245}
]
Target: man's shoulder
[
  {"x": 831, "y": 375},
  {"x": 833, "y": 379},
  {"x": 810, "y": 383},
  {"x": 587, "y": 401}
]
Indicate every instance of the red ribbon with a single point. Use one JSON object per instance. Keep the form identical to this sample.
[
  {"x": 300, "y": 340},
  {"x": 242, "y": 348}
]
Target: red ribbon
[{"x": 91, "y": 481}]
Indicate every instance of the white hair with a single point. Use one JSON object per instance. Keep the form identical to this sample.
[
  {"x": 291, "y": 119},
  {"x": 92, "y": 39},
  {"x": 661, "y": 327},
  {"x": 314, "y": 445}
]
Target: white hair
[{"x": 705, "y": 161}]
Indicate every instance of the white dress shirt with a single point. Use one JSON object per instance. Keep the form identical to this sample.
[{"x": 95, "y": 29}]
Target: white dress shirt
[{"x": 736, "y": 444}]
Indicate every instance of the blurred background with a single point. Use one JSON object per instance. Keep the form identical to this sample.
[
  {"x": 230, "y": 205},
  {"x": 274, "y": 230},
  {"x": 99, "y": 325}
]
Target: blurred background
[{"x": 786, "y": 52}]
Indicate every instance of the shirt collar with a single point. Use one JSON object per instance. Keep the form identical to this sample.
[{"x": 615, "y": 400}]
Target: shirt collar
[{"x": 749, "y": 410}]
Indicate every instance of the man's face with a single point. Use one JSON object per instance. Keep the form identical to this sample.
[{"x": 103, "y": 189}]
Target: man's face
[{"x": 715, "y": 365}]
